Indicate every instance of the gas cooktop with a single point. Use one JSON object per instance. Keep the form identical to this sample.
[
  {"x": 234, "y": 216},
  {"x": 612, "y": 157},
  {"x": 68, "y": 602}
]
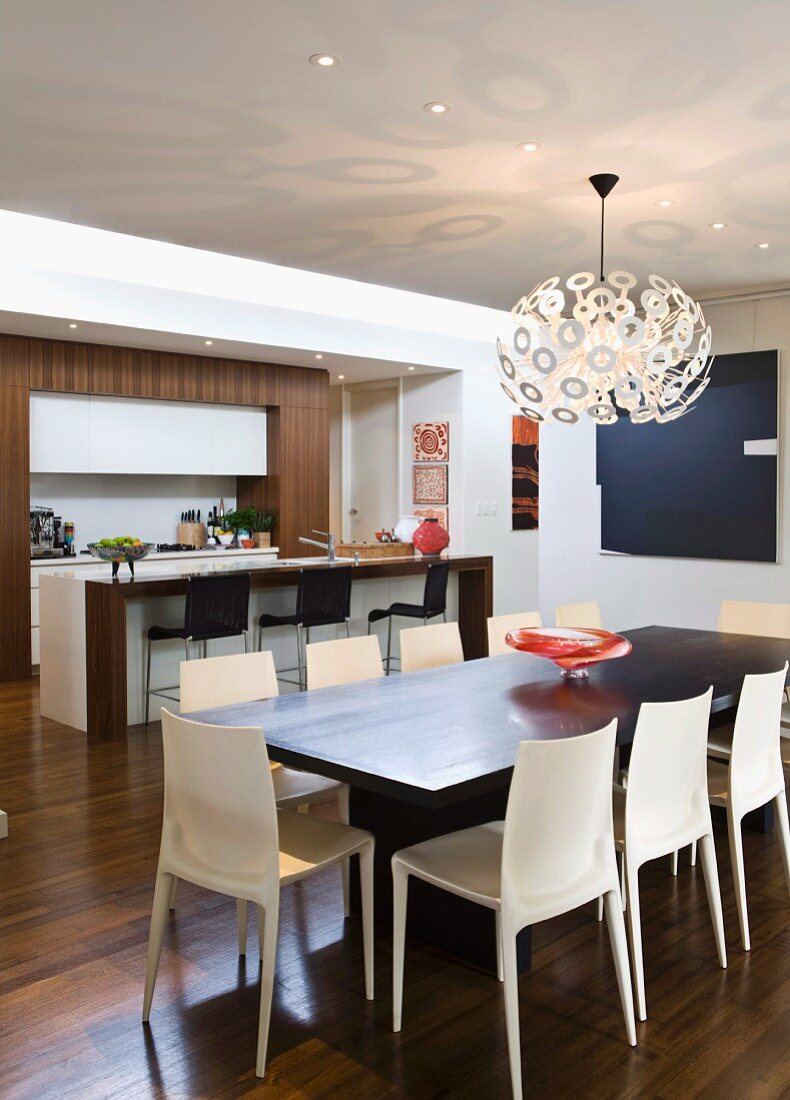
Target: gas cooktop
[{"x": 172, "y": 547}]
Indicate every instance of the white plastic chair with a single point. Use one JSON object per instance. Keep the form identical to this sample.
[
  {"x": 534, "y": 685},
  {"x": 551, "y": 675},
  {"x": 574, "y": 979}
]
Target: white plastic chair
[
  {"x": 343, "y": 661},
  {"x": 554, "y": 852},
  {"x": 754, "y": 776},
  {"x": 424, "y": 647},
  {"x": 579, "y": 614},
  {"x": 664, "y": 808},
  {"x": 245, "y": 678},
  {"x": 500, "y": 625},
  {"x": 222, "y": 831}
]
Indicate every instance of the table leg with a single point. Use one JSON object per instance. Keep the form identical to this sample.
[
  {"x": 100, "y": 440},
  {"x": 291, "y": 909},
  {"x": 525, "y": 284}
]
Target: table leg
[
  {"x": 105, "y": 662},
  {"x": 436, "y": 917},
  {"x": 475, "y": 606}
]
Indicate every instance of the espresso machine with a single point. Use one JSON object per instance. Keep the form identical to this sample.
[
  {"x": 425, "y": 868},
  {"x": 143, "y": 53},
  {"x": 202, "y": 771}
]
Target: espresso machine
[{"x": 45, "y": 536}]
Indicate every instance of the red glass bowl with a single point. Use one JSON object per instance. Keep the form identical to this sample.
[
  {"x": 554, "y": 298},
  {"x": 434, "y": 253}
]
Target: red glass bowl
[{"x": 573, "y": 650}]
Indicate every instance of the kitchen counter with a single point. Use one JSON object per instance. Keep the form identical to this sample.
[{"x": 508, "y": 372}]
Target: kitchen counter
[
  {"x": 108, "y": 676},
  {"x": 173, "y": 555}
]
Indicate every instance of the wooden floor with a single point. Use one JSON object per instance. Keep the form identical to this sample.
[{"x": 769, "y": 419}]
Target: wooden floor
[{"x": 76, "y": 875}]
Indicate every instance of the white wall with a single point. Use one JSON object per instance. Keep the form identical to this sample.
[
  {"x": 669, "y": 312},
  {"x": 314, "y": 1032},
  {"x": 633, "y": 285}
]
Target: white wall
[
  {"x": 104, "y": 505},
  {"x": 636, "y": 591}
]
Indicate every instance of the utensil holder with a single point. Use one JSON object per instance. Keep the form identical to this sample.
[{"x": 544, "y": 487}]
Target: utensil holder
[{"x": 192, "y": 534}]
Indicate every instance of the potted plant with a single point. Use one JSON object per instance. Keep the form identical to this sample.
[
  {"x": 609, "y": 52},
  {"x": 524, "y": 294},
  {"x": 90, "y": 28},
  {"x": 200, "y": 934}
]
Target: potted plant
[
  {"x": 262, "y": 525},
  {"x": 241, "y": 519}
]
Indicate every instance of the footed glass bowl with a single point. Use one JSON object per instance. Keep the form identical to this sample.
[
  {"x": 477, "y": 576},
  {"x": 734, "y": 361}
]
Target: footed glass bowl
[
  {"x": 129, "y": 552},
  {"x": 572, "y": 650}
]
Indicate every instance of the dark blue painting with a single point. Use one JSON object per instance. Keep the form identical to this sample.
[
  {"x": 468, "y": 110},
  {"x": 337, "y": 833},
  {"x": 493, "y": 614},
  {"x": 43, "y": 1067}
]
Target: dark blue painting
[{"x": 703, "y": 486}]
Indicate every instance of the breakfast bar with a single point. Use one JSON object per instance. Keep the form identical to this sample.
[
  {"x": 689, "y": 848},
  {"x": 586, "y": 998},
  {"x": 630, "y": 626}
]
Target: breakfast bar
[{"x": 107, "y": 601}]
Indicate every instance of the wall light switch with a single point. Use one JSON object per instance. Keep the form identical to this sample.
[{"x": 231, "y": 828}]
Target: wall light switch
[
  {"x": 493, "y": 507},
  {"x": 479, "y": 508}
]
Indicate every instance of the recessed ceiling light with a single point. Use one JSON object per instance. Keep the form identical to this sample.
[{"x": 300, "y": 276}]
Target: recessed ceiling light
[
  {"x": 763, "y": 244},
  {"x": 319, "y": 355},
  {"x": 436, "y": 108},
  {"x": 528, "y": 146},
  {"x": 325, "y": 60},
  {"x": 341, "y": 377},
  {"x": 411, "y": 368},
  {"x": 72, "y": 324},
  {"x": 208, "y": 343},
  {"x": 664, "y": 202},
  {"x": 717, "y": 225}
]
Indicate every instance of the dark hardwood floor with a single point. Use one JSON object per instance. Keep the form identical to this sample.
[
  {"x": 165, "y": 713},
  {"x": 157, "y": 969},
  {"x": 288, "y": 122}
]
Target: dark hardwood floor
[{"x": 76, "y": 876}]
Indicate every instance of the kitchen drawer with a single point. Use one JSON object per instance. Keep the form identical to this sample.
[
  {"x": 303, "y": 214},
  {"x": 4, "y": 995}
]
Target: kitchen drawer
[
  {"x": 35, "y": 649},
  {"x": 34, "y": 607}
]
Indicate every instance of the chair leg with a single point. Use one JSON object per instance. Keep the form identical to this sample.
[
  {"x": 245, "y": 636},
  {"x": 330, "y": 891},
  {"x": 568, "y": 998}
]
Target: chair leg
[
  {"x": 173, "y": 892},
  {"x": 148, "y": 684},
  {"x": 500, "y": 970},
  {"x": 389, "y": 644},
  {"x": 366, "y": 889},
  {"x": 707, "y": 851},
  {"x": 674, "y": 863},
  {"x": 600, "y": 906},
  {"x": 156, "y": 936},
  {"x": 510, "y": 972},
  {"x": 783, "y": 832},
  {"x": 623, "y": 891},
  {"x": 693, "y": 854},
  {"x": 348, "y": 628},
  {"x": 635, "y": 937},
  {"x": 738, "y": 874},
  {"x": 186, "y": 649},
  {"x": 267, "y": 933},
  {"x": 246, "y": 650},
  {"x": 400, "y": 897},
  {"x": 616, "y": 926},
  {"x": 241, "y": 924},
  {"x": 299, "y": 655},
  {"x": 342, "y": 813}
]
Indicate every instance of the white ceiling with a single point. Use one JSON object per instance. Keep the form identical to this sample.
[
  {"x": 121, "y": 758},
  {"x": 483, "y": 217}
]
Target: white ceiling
[{"x": 201, "y": 122}]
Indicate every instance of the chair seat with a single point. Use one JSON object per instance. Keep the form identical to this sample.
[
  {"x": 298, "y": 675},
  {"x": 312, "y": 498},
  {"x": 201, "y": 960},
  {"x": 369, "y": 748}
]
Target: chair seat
[
  {"x": 718, "y": 781},
  {"x": 407, "y": 610},
  {"x": 294, "y": 620},
  {"x": 166, "y": 633},
  {"x": 467, "y": 862},
  {"x": 307, "y": 842},
  {"x": 292, "y": 787}
]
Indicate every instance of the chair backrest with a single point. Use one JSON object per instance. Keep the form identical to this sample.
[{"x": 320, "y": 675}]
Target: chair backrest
[
  {"x": 430, "y": 647},
  {"x": 667, "y": 793},
  {"x": 579, "y": 614},
  {"x": 220, "y": 820},
  {"x": 220, "y": 681},
  {"x": 217, "y": 605},
  {"x": 434, "y": 600},
  {"x": 769, "y": 620},
  {"x": 755, "y": 773},
  {"x": 500, "y": 625},
  {"x": 343, "y": 661},
  {"x": 324, "y": 594},
  {"x": 558, "y": 849}
]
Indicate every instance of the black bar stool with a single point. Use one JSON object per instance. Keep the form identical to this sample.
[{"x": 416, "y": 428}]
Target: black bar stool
[
  {"x": 434, "y": 602},
  {"x": 323, "y": 598},
  {"x": 217, "y": 606}
]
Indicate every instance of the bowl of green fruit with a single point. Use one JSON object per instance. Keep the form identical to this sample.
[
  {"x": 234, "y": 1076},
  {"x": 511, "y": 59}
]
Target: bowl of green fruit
[{"x": 121, "y": 548}]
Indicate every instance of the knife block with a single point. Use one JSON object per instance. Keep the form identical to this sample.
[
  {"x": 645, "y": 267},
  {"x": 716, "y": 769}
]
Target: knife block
[{"x": 192, "y": 534}]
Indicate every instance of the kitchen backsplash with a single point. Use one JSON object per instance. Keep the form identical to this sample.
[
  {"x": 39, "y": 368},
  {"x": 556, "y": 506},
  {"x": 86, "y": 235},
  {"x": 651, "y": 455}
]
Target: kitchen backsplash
[{"x": 103, "y": 505}]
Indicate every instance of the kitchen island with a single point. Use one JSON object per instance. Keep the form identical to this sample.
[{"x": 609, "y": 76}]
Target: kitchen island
[{"x": 112, "y": 682}]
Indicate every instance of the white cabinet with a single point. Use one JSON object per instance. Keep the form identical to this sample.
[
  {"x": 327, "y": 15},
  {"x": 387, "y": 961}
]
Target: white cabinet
[
  {"x": 59, "y": 433},
  {"x": 133, "y": 435},
  {"x": 239, "y": 439}
]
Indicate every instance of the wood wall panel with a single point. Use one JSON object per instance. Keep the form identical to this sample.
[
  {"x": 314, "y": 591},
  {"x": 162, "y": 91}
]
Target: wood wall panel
[
  {"x": 14, "y": 510},
  {"x": 59, "y": 365},
  {"x": 304, "y": 387},
  {"x": 14, "y": 361}
]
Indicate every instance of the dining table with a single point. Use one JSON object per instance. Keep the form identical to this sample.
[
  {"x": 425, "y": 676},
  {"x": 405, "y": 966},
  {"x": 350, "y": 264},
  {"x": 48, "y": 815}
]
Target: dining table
[{"x": 429, "y": 752}]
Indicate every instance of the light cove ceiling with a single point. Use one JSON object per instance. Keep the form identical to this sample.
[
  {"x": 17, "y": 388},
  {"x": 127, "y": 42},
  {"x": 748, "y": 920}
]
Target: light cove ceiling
[{"x": 203, "y": 123}]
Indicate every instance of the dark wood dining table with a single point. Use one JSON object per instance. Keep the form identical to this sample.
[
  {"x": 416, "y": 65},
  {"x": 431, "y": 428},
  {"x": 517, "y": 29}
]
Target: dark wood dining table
[{"x": 433, "y": 751}]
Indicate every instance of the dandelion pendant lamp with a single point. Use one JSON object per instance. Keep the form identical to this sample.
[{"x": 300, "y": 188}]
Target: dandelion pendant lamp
[{"x": 585, "y": 347}]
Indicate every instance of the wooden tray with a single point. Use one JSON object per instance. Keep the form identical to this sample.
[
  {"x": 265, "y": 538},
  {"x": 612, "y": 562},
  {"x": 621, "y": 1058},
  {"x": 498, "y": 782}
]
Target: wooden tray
[{"x": 375, "y": 549}]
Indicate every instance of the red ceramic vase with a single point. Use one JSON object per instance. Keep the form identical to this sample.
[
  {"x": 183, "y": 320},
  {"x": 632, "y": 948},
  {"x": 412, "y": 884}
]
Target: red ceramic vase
[{"x": 430, "y": 537}]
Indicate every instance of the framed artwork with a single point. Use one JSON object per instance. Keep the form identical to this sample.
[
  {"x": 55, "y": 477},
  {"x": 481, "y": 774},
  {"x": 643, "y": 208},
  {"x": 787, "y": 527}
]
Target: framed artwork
[
  {"x": 702, "y": 486},
  {"x": 431, "y": 442},
  {"x": 434, "y": 513},
  {"x": 429, "y": 484},
  {"x": 525, "y": 504}
]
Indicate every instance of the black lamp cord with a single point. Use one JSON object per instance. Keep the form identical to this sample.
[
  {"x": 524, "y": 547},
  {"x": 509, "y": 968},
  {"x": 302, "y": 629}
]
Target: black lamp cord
[{"x": 603, "y": 208}]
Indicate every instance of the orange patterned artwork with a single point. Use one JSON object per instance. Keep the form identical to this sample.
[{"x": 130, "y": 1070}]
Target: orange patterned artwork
[
  {"x": 525, "y": 474},
  {"x": 431, "y": 442}
]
